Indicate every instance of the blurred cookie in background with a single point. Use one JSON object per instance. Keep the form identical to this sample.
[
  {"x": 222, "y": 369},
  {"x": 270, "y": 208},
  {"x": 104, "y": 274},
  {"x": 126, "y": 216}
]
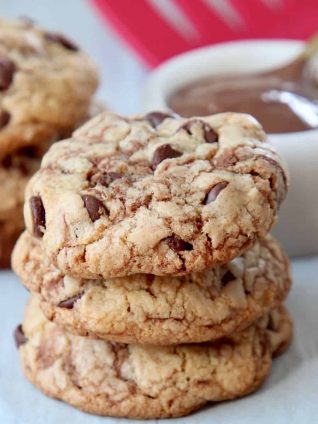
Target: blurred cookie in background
[
  {"x": 46, "y": 89},
  {"x": 46, "y": 85},
  {"x": 15, "y": 172}
]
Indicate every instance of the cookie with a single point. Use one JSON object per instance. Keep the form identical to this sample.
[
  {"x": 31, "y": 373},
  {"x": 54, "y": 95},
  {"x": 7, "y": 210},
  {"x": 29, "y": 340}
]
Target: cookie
[
  {"x": 9, "y": 233},
  {"x": 15, "y": 172},
  {"x": 144, "y": 382},
  {"x": 148, "y": 309},
  {"x": 46, "y": 85},
  {"x": 155, "y": 194},
  {"x": 279, "y": 330}
]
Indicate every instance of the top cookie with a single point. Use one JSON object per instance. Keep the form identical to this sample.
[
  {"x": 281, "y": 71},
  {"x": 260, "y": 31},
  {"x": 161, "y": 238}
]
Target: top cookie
[
  {"x": 46, "y": 84},
  {"x": 155, "y": 194}
]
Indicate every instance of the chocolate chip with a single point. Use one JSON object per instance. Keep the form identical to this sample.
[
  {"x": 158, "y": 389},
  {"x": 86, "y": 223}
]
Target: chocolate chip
[
  {"x": 61, "y": 39},
  {"x": 7, "y": 162},
  {"x": 177, "y": 244},
  {"x": 227, "y": 277},
  {"x": 187, "y": 126},
  {"x": 156, "y": 118},
  {"x": 7, "y": 69},
  {"x": 209, "y": 134},
  {"x": 94, "y": 206},
  {"x": 108, "y": 177},
  {"x": 271, "y": 324},
  {"x": 19, "y": 336},
  {"x": 28, "y": 151},
  {"x": 69, "y": 303},
  {"x": 4, "y": 118},
  {"x": 165, "y": 151},
  {"x": 221, "y": 343},
  {"x": 38, "y": 215},
  {"x": 214, "y": 192}
]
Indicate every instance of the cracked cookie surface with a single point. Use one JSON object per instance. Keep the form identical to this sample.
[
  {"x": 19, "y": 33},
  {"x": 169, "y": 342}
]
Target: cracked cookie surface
[
  {"x": 148, "y": 309},
  {"x": 147, "y": 382},
  {"x": 155, "y": 194},
  {"x": 46, "y": 85}
]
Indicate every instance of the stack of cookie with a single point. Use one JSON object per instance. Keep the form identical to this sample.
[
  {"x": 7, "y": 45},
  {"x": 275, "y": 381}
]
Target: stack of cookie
[
  {"x": 46, "y": 86},
  {"x": 155, "y": 287}
]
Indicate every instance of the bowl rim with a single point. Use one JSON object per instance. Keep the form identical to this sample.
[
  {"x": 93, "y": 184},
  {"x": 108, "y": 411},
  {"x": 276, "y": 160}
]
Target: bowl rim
[{"x": 154, "y": 89}]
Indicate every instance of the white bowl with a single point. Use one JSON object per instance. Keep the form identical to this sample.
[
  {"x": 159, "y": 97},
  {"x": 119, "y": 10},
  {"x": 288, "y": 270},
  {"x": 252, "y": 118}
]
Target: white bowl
[{"x": 298, "y": 222}]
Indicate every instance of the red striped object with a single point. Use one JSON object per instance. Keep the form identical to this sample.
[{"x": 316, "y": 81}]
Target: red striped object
[{"x": 160, "y": 29}]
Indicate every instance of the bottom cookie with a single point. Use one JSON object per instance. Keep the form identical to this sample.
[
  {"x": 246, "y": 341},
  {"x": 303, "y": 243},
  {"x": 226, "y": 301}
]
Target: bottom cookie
[{"x": 147, "y": 381}]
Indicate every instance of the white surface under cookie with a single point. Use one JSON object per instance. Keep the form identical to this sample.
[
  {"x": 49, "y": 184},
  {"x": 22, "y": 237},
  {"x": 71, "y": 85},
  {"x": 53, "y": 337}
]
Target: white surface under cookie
[{"x": 289, "y": 395}]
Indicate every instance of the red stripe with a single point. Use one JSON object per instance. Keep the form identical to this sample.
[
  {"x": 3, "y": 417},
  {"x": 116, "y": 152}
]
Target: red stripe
[
  {"x": 141, "y": 26},
  {"x": 210, "y": 25},
  {"x": 155, "y": 39},
  {"x": 259, "y": 18}
]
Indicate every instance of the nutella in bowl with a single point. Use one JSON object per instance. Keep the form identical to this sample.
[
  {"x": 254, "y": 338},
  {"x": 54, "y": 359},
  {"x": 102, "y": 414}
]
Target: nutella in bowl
[
  {"x": 187, "y": 84},
  {"x": 280, "y": 106}
]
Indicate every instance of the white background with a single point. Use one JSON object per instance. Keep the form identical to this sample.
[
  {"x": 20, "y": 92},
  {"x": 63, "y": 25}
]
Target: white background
[{"x": 290, "y": 394}]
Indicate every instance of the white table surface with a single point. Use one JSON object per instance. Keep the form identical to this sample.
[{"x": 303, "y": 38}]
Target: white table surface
[{"x": 290, "y": 395}]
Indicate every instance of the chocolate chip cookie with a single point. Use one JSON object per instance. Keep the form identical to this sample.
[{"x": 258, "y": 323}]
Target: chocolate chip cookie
[
  {"x": 146, "y": 382},
  {"x": 155, "y": 194},
  {"x": 46, "y": 85},
  {"x": 9, "y": 233},
  {"x": 15, "y": 172},
  {"x": 148, "y": 309}
]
